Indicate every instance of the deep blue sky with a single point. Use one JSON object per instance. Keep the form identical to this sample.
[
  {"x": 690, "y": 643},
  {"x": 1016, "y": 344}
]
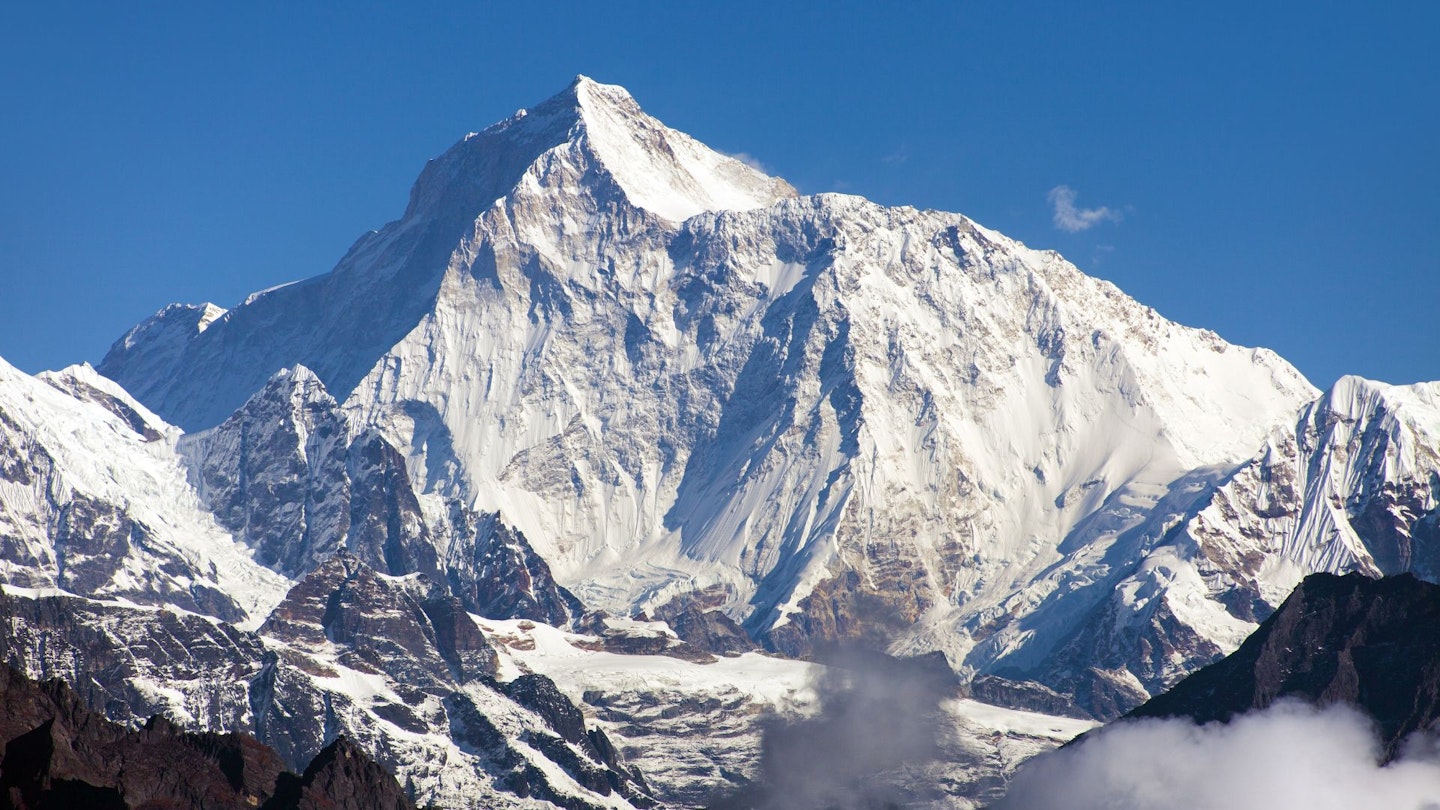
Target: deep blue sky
[{"x": 1277, "y": 172}]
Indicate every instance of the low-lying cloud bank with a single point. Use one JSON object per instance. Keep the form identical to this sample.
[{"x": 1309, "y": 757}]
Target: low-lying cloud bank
[{"x": 1289, "y": 757}]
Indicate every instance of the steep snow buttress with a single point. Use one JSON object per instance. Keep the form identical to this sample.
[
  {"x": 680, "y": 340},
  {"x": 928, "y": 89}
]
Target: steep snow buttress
[{"x": 1352, "y": 484}]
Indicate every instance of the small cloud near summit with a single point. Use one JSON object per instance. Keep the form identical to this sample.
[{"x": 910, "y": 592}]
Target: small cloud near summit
[
  {"x": 749, "y": 160},
  {"x": 897, "y": 158},
  {"x": 1071, "y": 218}
]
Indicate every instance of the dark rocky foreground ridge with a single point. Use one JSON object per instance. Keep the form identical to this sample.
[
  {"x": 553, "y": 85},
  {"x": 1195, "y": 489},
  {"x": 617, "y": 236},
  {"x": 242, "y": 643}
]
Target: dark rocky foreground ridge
[
  {"x": 60, "y": 754},
  {"x": 1370, "y": 643}
]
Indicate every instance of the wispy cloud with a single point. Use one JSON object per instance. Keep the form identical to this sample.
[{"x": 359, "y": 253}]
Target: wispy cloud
[
  {"x": 898, "y": 157},
  {"x": 749, "y": 160},
  {"x": 1289, "y": 757},
  {"x": 1073, "y": 219}
]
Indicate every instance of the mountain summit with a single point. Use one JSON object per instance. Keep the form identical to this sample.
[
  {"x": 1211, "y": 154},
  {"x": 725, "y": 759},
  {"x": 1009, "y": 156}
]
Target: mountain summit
[
  {"x": 617, "y": 150},
  {"x": 592, "y": 150},
  {"x": 659, "y": 169},
  {"x": 683, "y": 384}
]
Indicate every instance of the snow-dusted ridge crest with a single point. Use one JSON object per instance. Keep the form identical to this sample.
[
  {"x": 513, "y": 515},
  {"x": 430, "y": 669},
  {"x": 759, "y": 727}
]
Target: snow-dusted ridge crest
[
  {"x": 94, "y": 500},
  {"x": 670, "y": 374}
]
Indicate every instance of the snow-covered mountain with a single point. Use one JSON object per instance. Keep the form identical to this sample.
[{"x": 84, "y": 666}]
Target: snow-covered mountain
[
  {"x": 596, "y": 365},
  {"x": 286, "y": 476},
  {"x": 670, "y": 373},
  {"x": 203, "y": 362},
  {"x": 1352, "y": 485}
]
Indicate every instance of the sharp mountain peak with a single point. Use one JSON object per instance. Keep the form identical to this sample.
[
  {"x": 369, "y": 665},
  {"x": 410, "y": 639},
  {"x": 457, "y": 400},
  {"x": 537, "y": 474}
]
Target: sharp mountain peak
[{"x": 660, "y": 170}]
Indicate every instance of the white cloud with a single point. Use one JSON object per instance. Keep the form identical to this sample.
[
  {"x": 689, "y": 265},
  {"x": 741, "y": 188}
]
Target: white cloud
[
  {"x": 1289, "y": 757},
  {"x": 749, "y": 160},
  {"x": 1073, "y": 219}
]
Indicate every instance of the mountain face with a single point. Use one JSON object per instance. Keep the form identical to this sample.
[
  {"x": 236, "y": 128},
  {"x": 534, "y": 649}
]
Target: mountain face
[
  {"x": 1367, "y": 643},
  {"x": 674, "y": 376},
  {"x": 606, "y": 410}
]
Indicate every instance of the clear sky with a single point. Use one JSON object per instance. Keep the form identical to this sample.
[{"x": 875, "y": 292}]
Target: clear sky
[{"x": 1266, "y": 170}]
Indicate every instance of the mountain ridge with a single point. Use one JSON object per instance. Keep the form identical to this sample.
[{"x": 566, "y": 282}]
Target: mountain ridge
[
  {"x": 402, "y": 262},
  {"x": 726, "y": 401}
]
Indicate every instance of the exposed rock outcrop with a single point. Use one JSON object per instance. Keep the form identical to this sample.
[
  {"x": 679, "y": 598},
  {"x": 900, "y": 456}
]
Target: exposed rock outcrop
[
  {"x": 403, "y": 626},
  {"x": 1373, "y": 644},
  {"x": 496, "y": 573},
  {"x": 341, "y": 777},
  {"x": 697, "y": 618},
  {"x": 1022, "y": 694}
]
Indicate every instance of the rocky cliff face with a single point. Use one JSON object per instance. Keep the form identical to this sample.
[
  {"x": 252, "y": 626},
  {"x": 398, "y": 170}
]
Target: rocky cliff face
[
  {"x": 294, "y": 483},
  {"x": 495, "y": 572},
  {"x": 408, "y": 627},
  {"x": 275, "y": 473},
  {"x": 1347, "y": 639}
]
